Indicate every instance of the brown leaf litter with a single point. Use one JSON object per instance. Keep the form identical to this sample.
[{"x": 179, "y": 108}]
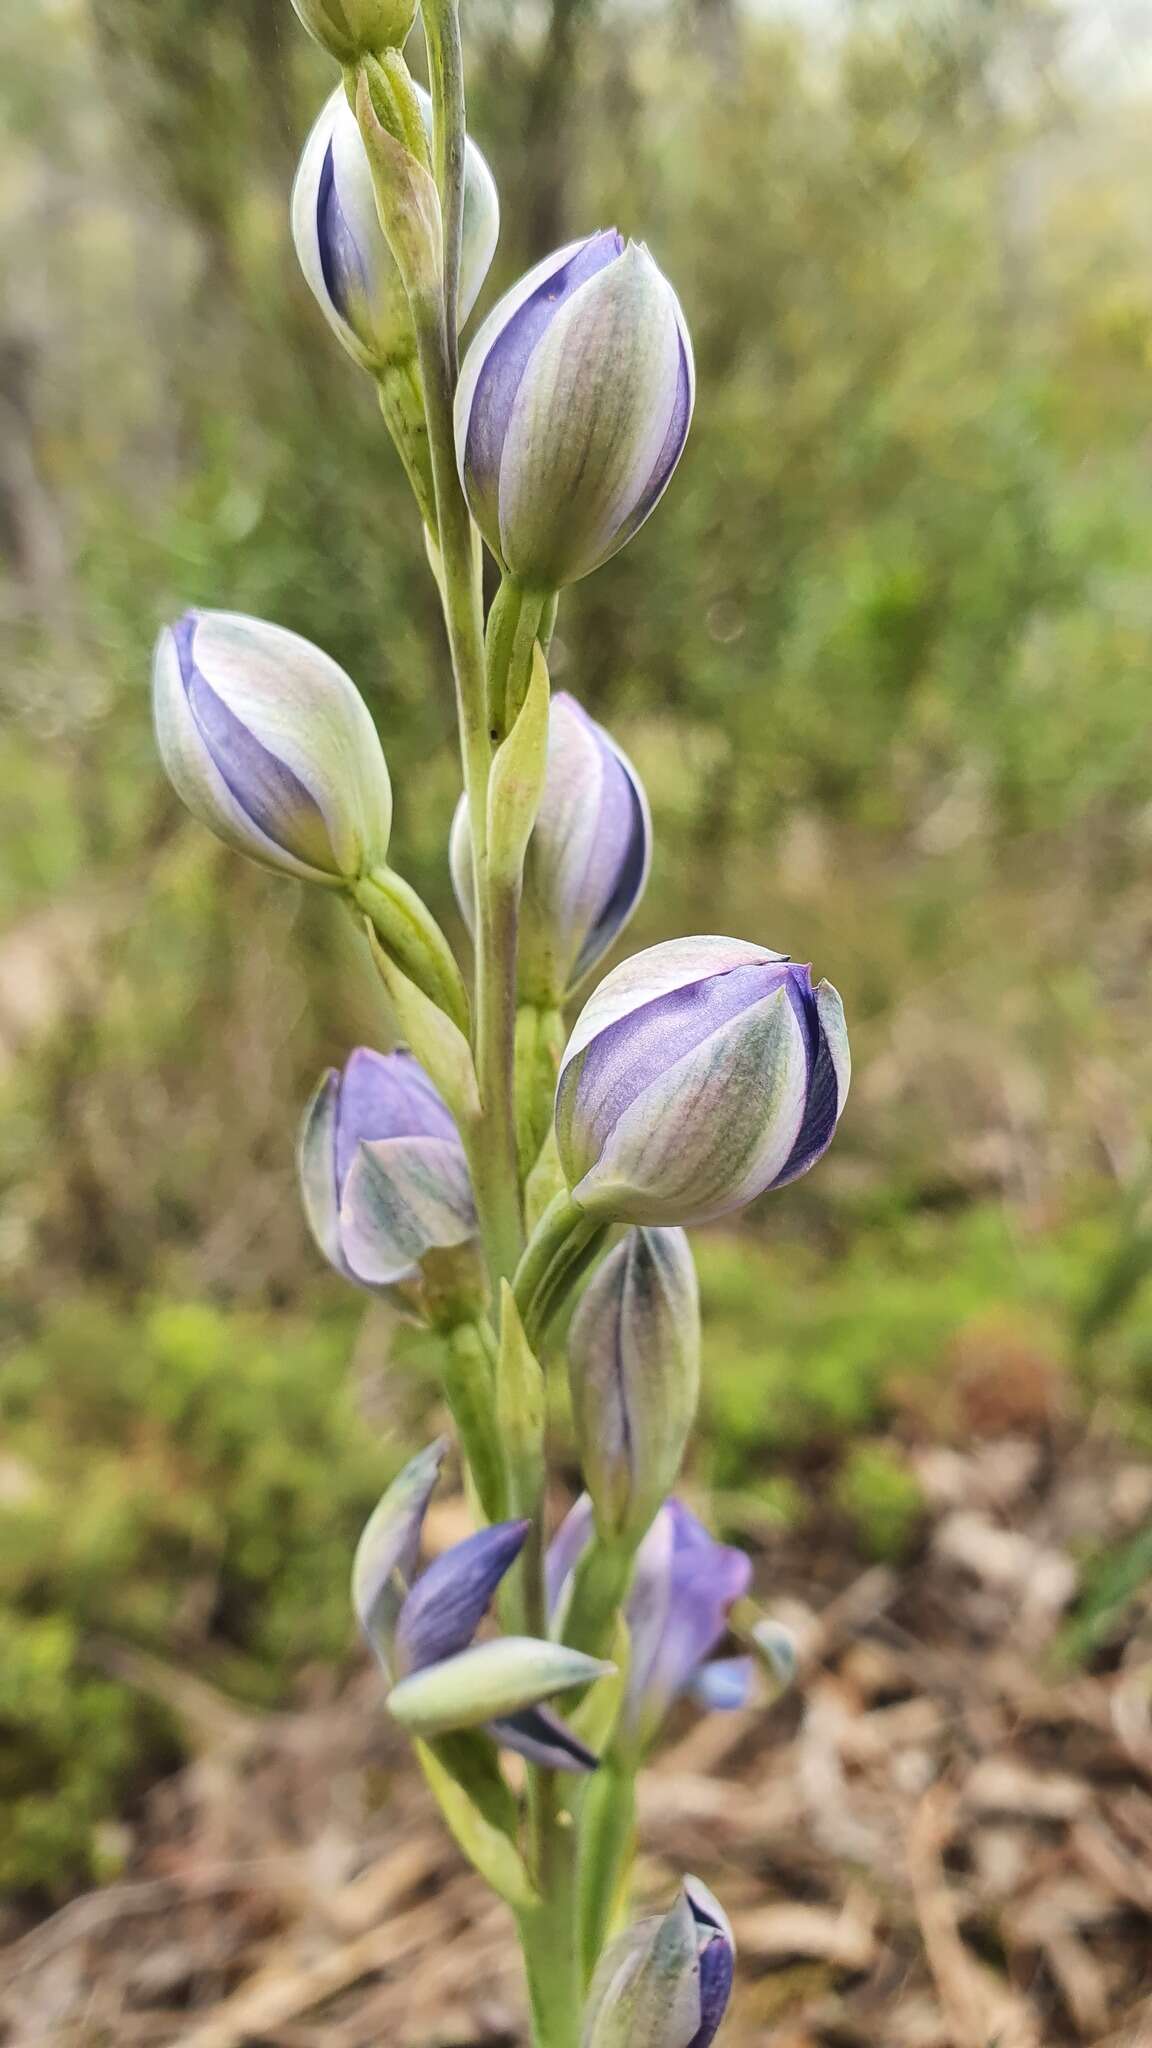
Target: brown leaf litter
[{"x": 937, "y": 1839}]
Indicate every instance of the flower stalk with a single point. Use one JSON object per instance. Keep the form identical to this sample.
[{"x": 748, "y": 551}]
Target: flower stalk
[{"x": 473, "y": 1176}]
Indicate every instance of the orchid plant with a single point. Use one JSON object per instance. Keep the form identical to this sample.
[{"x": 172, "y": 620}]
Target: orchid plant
[{"x": 503, "y": 1177}]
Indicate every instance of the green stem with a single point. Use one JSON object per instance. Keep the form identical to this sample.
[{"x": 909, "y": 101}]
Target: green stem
[
  {"x": 402, "y": 404},
  {"x": 469, "y": 1387},
  {"x": 599, "y": 1587},
  {"x": 607, "y": 1850},
  {"x": 515, "y": 623},
  {"x": 449, "y": 126},
  {"x": 549, "y": 1934},
  {"x": 563, "y": 1244},
  {"x": 492, "y": 1150}
]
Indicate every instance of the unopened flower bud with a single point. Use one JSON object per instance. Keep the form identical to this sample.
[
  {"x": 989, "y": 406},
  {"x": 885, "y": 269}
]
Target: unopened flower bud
[
  {"x": 665, "y": 1982},
  {"x": 587, "y": 862},
  {"x": 573, "y": 409},
  {"x": 634, "y": 1370},
  {"x": 699, "y": 1074},
  {"x": 271, "y": 745},
  {"x": 343, "y": 253},
  {"x": 383, "y": 1174},
  {"x": 351, "y": 29}
]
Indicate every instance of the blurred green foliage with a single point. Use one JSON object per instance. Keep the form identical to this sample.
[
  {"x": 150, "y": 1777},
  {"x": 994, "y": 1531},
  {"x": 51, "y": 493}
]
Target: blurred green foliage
[
  {"x": 176, "y": 1478},
  {"x": 882, "y": 659}
]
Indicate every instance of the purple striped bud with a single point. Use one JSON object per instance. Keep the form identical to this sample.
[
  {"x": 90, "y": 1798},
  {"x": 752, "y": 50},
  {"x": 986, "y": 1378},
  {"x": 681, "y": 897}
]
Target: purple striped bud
[
  {"x": 588, "y": 857},
  {"x": 343, "y": 253},
  {"x": 421, "y": 1628},
  {"x": 382, "y": 1170},
  {"x": 573, "y": 408},
  {"x": 351, "y": 29},
  {"x": 271, "y": 745},
  {"x": 634, "y": 1371},
  {"x": 683, "y": 1589},
  {"x": 699, "y": 1074},
  {"x": 665, "y": 1982}
]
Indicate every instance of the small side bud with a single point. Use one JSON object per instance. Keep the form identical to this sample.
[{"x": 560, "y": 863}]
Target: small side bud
[
  {"x": 271, "y": 745},
  {"x": 343, "y": 252},
  {"x": 634, "y": 1371},
  {"x": 385, "y": 1182},
  {"x": 588, "y": 857},
  {"x": 351, "y": 29},
  {"x": 665, "y": 1983}
]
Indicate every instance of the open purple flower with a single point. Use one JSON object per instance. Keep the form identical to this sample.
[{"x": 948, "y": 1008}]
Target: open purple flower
[
  {"x": 270, "y": 744},
  {"x": 683, "y": 1589},
  {"x": 382, "y": 1170},
  {"x": 699, "y": 1074},
  {"x": 573, "y": 409},
  {"x": 588, "y": 857},
  {"x": 346, "y": 261},
  {"x": 421, "y": 1627}
]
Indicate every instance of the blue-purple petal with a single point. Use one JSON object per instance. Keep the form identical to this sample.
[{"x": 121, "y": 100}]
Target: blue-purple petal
[
  {"x": 626, "y": 1057},
  {"x": 448, "y": 1602},
  {"x": 704, "y": 1579},
  {"x": 724, "y": 1684},
  {"x": 671, "y": 451},
  {"x": 266, "y": 789},
  {"x": 341, "y": 261},
  {"x": 541, "y": 1737},
  {"x": 620, "y": 856},
  {"x": 385, "y": 1095},
  {"x": 717, "y": 1968},
  {"x": 507, "y": 358},
  {"x": 566, "y": 1549},
  {"x": 822, "y": 1108}
]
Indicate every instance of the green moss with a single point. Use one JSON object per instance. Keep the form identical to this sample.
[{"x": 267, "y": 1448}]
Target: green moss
[
  {"x": 881, "y": 1498},
  {"x": 185, "y": 1480}
]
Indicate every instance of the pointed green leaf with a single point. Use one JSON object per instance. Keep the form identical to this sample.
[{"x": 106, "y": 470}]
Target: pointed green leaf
[{"x": 464, "y": 1775}]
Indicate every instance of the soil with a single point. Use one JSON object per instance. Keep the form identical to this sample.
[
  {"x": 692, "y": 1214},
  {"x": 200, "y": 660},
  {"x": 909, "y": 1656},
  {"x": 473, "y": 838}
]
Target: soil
[{"x": 939, "y": 1837}]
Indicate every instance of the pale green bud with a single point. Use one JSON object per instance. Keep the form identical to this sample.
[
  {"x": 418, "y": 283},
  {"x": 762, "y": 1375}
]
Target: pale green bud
[
  {"x": 351, "y": 29},
  {"x": 634, "y": 1371}
]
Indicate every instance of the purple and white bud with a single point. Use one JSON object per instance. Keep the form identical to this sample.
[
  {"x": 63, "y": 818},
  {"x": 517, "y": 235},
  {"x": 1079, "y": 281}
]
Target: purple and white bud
[
  {"x": 573, "y": 409},
  {"x": 270, "y": 744},
  {"x": 699, "y": 1074},
  {"x": 382, "y": 1170},
  {"x": 588, "y": 857},
  {"x": 665, "y": 1982},
  {"x": 683, "y": 1589},
  {"x": 351, "y": 29},
  {"x": 421, "y": 1628},
  {"x": 634, "y": 1371},
  {"x": 343, "y": 252}
]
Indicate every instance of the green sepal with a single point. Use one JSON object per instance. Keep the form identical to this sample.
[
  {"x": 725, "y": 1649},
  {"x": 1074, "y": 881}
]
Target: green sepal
[
  {"x": 465, "y": 1779},
  {"x": 544, "y": 1183},
  {"x": 410, "y": 937},
  {"x": 516, "y": 781},
  {"x": 471, "y": 1396},
  {"x": 488, "y": 1681},
  {"x": 402, "y": 404},
  {"x": 406, "y": 197},
  {"x": 436, "y": 1039}
]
